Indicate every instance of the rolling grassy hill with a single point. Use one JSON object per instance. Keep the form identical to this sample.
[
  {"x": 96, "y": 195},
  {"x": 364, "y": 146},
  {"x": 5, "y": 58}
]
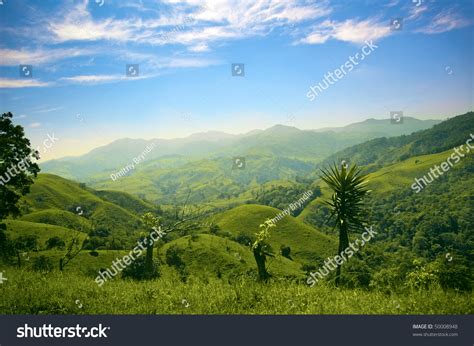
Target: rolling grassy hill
[
  {"x": 17, "y": 228},
  {"x": 206, "y": 256},
  {"x": 307, "y": 244},
  {"x": 392, "y": 178},
  {"x": 60, "y": 202},
  {"x": 58, "y": 217}
]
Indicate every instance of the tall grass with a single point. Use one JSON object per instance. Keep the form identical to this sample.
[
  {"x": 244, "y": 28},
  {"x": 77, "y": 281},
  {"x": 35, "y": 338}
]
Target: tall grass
[{"x": 28, "y": 292}]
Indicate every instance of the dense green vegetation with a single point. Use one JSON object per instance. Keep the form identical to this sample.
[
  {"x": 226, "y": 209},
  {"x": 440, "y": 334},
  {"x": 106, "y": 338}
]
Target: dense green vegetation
[{"x": 424, "y": 246}]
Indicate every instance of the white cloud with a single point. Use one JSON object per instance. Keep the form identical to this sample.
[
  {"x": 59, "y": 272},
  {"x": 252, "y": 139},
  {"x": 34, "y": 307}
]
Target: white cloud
[
  {"x": 348, "y": 31},
  {"x": 96, "y": 79},
  {"x": 21, "y": 83},
  {"x": 35, "y": 125},
  {"x": 416, "y": 11},
  {"x": 445, "y": 21},
  {"x": 193, "y": 23},
  {"x": 201, "y": 47},
  {"x": 48, "y": 110},
  {"x": 12, "y": 57}
]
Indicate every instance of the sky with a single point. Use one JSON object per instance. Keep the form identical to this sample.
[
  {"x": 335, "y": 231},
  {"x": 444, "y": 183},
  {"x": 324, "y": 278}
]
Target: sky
[{"x": 179, "y": 55}]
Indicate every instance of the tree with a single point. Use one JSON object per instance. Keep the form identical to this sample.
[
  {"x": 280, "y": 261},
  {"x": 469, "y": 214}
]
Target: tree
[
  {"x": 152, "y": 223},
  {"x": 349, "y": 188},
  {"x": 16, "y": 166},
  {"x": 16, "y": 171},
  {"x": 261, "y": 250}
]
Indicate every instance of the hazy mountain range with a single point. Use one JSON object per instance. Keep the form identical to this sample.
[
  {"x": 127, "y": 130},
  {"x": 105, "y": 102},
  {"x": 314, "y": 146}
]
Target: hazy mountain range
[{"x": 304, "y": 146}]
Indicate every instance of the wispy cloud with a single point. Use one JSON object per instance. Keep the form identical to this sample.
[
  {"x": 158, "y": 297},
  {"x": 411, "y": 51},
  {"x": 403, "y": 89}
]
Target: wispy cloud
[
  {"x": 48, "y": 110},
  {"x": 348, "y": 31},
  {"x": 156, "y": 66},
  {"x": 416, "y": 11},
  {"x": 35, "y": 125},
  {"x": 6, "y": 83},
  {"x": 97, "y": 79},
  {"x": 445, "y": 21},
  {"x": 211, "y": 21},
  {"x": 12, "y": 57}
]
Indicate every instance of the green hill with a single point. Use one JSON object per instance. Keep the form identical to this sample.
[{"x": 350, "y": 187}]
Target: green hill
[
  {"x": 58, "y": 217},
  {"x": 206, "y": 256},
  {"x": 57, "y": 201},
  {"x": 43, "y": 232},
  {"x": 307, "y": 244}
]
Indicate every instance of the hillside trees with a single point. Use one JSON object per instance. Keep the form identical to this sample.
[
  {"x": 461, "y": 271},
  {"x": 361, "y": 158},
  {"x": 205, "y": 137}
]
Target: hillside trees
[{"x": 16, "y": 172}]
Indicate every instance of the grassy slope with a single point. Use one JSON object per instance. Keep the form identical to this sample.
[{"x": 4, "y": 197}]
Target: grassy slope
[
  {"x": 208, "y": 255},
  {"x": 393, "y": 177},
  {"x": 52, "y": 194},
  {"x": 59, "y": 218},
  {"x": 126, "y": 201},
  {"x": 16, "y": 228},
  {"x": 306, "y": 243}
]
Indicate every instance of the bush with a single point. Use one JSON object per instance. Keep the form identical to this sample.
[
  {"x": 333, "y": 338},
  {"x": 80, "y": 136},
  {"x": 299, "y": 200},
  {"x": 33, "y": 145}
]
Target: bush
[
  {"x": 55, "y": 242},
  {"x": 174, "y": 259},
  {"x": 285, "y": 251},
  {"x": 454, "y": 274},
  {"x": 26, "y": 242},
  {"x": 42, "y": 264},
  {"x": 136, "y": 270},
  {"x": 243, "y": 239}
]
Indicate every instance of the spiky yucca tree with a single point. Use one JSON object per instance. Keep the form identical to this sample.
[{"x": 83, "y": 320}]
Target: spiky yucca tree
[{"x": 349, "y": 188}]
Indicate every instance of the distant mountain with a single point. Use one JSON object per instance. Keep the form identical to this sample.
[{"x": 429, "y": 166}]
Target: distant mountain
[
  {"x": 384, "y": 127},
  {"x": 278, "y": 141},
  {"x": 382, "y": 151}
]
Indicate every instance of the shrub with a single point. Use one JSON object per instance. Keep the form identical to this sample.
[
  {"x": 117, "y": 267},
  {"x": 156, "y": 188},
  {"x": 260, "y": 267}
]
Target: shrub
[
  {"x": 243, "y": 239},
  {"x": 55, "y": 242},
  {"x": 285, "y": 251},
  {"x": 26, "y": 242},
  {"x": 137, "y": 270},
  {"x": 42, "y": 264}
]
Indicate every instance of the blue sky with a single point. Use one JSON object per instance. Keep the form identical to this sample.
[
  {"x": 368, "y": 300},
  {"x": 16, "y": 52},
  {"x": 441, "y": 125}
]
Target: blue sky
[{"x": 184, "y": 48}]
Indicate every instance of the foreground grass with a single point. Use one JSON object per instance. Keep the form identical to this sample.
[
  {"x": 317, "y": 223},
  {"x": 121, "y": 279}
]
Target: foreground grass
[{"x": 28, "y": 292}]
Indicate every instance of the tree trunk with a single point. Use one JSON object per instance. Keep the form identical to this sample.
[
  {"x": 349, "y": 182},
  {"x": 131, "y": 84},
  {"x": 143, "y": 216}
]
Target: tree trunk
[
  {"x": 260, "y": 258},
  {"x": 149, "y": 260},
  {"x": 343, "y": 244}
]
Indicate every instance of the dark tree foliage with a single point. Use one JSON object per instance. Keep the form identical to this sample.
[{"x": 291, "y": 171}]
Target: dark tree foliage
[
  {"x": 138, "y": 270},
  {"x": 16, "y": 165},
  {"x": 16, "y": 174},
  {"x": 55, "y": 242}
]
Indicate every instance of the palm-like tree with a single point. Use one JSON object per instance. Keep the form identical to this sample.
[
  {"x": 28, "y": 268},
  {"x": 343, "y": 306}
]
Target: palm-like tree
[{"x": 349, "y": 188}]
